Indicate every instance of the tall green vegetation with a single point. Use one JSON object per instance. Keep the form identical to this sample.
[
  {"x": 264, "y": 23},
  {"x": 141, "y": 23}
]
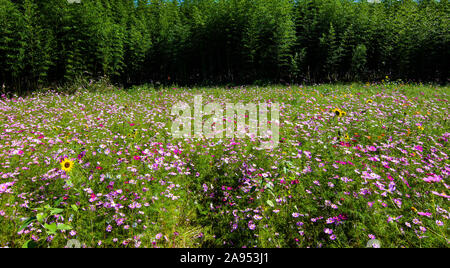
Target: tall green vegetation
[{"x": 221, "y": 41}]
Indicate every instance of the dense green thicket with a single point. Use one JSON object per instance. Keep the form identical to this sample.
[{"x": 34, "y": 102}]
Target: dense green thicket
[{"x": 221, "y": 41}]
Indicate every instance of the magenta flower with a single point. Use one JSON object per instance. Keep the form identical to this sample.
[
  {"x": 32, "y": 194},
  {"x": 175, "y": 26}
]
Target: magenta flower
[{"x": 426, "y": 214}]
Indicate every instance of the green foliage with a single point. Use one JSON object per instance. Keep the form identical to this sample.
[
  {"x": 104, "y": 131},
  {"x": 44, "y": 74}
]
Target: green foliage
[
  {"x": 12, "y": 43},
  {"x": 333, "y": 53},
  {"x": 359, "y": 60},
  {"x": 39, "y": 46},
  {"x": 231, "y": 41}
]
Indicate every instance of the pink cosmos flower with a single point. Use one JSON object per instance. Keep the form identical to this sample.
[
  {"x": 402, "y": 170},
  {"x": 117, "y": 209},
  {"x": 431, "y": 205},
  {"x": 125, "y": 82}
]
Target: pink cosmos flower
[
  {"x": 426, "y": 214},
  {"x": 4, "y": 188},
  {"x": 434, "y": 178},
  {"x": 442, "y": 195}
]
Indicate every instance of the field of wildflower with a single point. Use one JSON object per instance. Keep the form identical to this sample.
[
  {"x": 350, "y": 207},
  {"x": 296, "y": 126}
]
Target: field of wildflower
[{"x": 99, "y": 167}]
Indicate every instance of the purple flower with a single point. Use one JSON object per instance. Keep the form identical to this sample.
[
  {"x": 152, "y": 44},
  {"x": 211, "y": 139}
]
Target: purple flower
[{"x": 426, "y": 214}]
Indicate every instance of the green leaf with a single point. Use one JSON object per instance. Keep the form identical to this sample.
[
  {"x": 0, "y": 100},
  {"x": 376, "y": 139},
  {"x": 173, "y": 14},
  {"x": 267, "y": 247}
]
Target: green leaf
[
  {"x": 51, "y": 228},
  {"x": 29, "y": 244},
  {"x": 56, "y": 211},
  {"x": 25, "y": 245},
  {"x": 26, "y": 223},
  {"x": 64, "y": 227},
  {"x": 40, "y": 217},
  {"x": 270, "y": 203},
  {"x": 75, "y": 208}
]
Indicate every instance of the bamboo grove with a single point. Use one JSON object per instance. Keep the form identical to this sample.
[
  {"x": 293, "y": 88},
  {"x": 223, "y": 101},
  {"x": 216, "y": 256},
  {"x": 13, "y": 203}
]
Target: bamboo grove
[{"x": 44, "y": 43}]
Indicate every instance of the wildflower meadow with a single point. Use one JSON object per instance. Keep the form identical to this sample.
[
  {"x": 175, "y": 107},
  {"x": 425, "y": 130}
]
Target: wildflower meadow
[{"x": 99, "y": 167}]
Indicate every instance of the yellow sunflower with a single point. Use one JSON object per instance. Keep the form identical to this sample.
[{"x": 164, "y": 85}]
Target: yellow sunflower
[
  {"x": 67, "y": 165},
  {"x": 337, "y": 112}
]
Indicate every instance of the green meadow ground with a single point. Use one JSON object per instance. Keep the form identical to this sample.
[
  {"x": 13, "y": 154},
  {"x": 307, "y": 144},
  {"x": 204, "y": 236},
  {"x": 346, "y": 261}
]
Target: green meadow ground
[{"x": 378, "y": 170}]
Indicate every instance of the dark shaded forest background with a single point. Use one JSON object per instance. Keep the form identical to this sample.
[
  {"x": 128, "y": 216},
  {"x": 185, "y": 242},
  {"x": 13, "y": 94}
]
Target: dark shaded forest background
[{"x": 50, "y": 42}]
